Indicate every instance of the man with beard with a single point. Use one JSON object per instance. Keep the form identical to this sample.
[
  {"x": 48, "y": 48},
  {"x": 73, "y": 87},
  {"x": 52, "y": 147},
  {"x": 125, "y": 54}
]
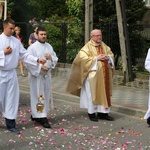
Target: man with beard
[{"x": 40, "y": 77}]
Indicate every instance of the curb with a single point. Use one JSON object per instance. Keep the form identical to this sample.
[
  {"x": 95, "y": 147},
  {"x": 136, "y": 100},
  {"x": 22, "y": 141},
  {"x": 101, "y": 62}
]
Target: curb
[
  {"x": 115, "y": 108},
  {"x": 74, "y": 99}
]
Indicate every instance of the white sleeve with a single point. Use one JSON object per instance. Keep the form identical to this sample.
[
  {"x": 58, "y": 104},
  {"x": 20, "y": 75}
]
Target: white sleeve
[
  {"x": 147, "y": 61},
  {"x": 34, "y": 69},
  {"x": 111, "y": 62},
  {"x": 2, "y": 58},
  {"x": 26, "y": 57}
]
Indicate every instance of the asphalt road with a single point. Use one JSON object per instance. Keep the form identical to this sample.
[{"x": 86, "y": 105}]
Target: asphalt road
[{"x": 71, "y": 129}]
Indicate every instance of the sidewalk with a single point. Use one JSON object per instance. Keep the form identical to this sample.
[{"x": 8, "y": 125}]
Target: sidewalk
[{"x": 128, "y": 100}]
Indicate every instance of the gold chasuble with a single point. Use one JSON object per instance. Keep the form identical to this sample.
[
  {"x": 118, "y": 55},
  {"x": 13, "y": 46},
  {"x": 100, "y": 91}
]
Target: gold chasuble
[{"x": 100, "y": 80}]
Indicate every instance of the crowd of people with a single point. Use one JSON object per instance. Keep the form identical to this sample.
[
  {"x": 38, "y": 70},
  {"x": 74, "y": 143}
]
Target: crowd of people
[
  {"x": 34, "y": 21},
  {"x": 90, "y": 78}
]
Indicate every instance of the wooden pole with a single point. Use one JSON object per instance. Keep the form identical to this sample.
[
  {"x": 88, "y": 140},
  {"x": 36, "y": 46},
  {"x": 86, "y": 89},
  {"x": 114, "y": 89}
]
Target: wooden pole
[
  {"x": 122, "y": 42},
  {"x": 5, "y": 10},
  {"x": 88, "y": 18},
  {"x": 127, "y": 41}
]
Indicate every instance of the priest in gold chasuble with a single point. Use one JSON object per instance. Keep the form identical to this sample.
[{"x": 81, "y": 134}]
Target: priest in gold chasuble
[{"x": 91, "y": 77}]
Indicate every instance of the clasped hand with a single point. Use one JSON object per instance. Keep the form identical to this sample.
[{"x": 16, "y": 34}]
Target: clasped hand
[
  {"x": 48, "y": 56},
  {"x": 44, "y": 68},
  {"x": 102, "y": 57},
  {"x": 8, "y": 50},
  {"x": 41, "y": 61}
]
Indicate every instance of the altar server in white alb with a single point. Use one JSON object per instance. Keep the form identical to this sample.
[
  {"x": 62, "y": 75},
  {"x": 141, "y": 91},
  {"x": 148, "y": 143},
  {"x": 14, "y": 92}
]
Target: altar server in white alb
[
  {"x": 40, "y": 77},
  {"x": 11, "y": 51},
  {"x": 147, "y": 67}
]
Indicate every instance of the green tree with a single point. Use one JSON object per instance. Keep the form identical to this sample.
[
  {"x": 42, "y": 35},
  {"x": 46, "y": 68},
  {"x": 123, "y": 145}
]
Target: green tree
[
  {"x": 19, "y": 10},
  {"x": 104, "y": 17},
  {"x": 73, "y": 28},
  {"x": 75, "y": 8},
  {"x": 135, "y": 10},
  {"x": 43, "y": 10},
  {"x": 72, "y": 11},
  {"x": 104, "y": 11},
  {"x": 24, "y": 10}
]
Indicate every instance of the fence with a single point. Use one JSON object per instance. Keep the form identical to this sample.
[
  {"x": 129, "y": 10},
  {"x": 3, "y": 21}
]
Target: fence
[{"x": 68, "y": 38}]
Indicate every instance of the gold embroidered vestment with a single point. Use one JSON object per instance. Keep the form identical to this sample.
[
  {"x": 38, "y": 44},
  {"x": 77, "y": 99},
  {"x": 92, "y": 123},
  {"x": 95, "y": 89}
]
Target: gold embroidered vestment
[{"x": 100, "y": 80}]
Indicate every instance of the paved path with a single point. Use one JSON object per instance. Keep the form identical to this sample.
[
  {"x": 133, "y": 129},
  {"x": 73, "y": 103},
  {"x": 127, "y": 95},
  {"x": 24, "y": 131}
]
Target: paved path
[
  {"x": 125, "y": 99},
  {"x": 71, "y": 127},
  {"x": 72, "y": 130}
]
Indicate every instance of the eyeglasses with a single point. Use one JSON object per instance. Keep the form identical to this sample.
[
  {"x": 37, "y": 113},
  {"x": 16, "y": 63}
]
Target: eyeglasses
[{"x": 97, "y": 35}]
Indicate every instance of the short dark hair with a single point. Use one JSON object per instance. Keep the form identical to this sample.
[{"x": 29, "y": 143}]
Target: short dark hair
[
  {"x": 40, "y": 28},
  {"x": 7, "y": 21}
]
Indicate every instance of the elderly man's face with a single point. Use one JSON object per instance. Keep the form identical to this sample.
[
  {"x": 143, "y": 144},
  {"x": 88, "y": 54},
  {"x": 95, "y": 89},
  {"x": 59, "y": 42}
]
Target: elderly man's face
[{"x": 96, "y": 36}]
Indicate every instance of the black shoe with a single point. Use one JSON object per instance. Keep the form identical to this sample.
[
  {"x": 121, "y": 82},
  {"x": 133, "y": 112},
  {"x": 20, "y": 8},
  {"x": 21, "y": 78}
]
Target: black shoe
[
  {"x": 44, "y": 122},
  {"x": 10, "y": 123},
  {"x": 148, "y": 121},
  {"x": 105, "y": 116},
  {"x": 14, "y": 130},
  {"x": 93, "y": 117},
  {"x": 35, "y": 119}
]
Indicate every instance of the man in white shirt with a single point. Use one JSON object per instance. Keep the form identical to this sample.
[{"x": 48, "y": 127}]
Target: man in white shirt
[
  {"x": 11, "y": 51},
  {"x": 40, "y": 77}
]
